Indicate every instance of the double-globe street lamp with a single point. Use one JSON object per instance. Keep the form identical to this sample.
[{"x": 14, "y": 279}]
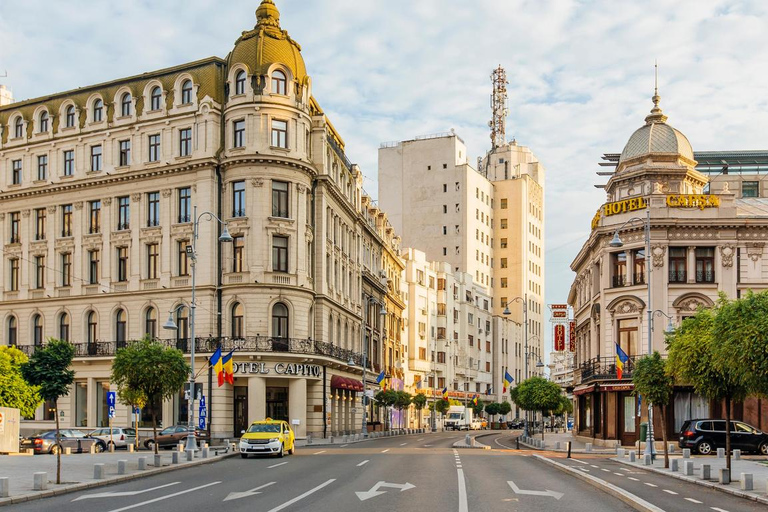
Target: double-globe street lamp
[
  {"x": 363, "y": 340},
  {"x": 191, "y": 445}
]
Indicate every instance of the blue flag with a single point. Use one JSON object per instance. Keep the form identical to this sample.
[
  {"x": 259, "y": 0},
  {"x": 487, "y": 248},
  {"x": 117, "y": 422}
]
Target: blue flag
[{"x": 380, "y": 377}]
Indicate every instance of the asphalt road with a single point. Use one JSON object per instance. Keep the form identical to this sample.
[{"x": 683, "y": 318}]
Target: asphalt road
[{"x": 407, "y": 473}]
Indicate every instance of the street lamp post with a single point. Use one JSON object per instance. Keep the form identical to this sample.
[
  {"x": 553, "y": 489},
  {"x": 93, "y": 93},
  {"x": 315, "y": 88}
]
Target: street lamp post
[
  {"x": 382, "y": 312},
  {"x": 434, "y": 386},
  {"x": 191, "y": 445},
  {"x": 616, "y": 242},
  {"x": 524, "y": 301}
]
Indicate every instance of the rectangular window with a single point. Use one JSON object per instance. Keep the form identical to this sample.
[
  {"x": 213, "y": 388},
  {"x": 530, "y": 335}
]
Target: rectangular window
[
  {"x": 39, "y": 272},
  {"x": 40, "y": 221},
  {"x": 13, "y": 284},
  {"x": 422, "y": 353},
  {"x": 238, "y": 134},
  {"x": 153, "y": 256},
  {"x": 441, "y": 357},
  {"x": 69, "y": 162},
  {"x": 503, "y": 262},
  {"x": 66, "y": 220},
  {"x": 183, "y": 260},
  {"x": 185, "y": 204},
  {"x": 639, "y": 272},
  {"x": 280, "y": 253},
  {"x": 238, "y": 246},
  {"x": 96, "y": 158},
  {"x": 705, "y": 264},
  {"x": 93, "y": 266},
  {"x": 154, "y": 148},
  {"x": 628, "y": 335},
  {"x": 750, "y": 189},
  {"x": 503, "y": 204},
  {"x": 503, "y": 243},
  {"x": 280, "y": 199},
  {"x": 677, "y": 266},
  {"x": 125, "y": 153},
  {"x": 238, "y": 199},
  {"x": 94, "y": 221},
  {"x": 123, "y": 213},
  {"x": 16, "y": 172},
  {"x": 153, "y": 209},
  {"x": 185, "y": 142},
  {"x": 66, "y": 269},
  {"x": 279, "y": 134},
  {"x": 619, "y": 269},
  {"x": 15, "y": 227},
  {"x": 503, "y": 223},
  {"x": 42, "y": 167},
  {"x": 122, "y": 264}
]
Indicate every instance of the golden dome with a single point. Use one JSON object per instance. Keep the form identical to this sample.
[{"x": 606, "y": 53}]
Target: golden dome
[{"x": 267, "y": 44}]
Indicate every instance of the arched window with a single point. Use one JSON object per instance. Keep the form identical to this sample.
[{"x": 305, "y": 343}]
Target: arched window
[
  {"x": 186, "y": 92},
  {"x": 156, "y": 97},
  {"x": 18, "y": 128},
  {"x": 70, "y": 117},
  {"x": 43, "y": 122},
  {"x": 120, "y": 326},
  {"x": 182, "y": 333},
  {"x": 12, "y": 331},
  {"x": 37, "y": 330},
  {"x": 279, "y": 321},
  {"x": 237, "y": 320},
  {"x": 240, "y": 82},
  {"x": 150, "y": 323},
  {"x": 64, "y": 327},
  {"x": 98, "y": 110},
  {"x": 125, "y": 105},
  {"x": 92, "y": 326},
  {"x": 278, "y": 82}
]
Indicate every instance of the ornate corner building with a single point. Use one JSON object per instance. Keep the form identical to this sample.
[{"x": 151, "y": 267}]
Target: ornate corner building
[{"x": 98, "y": 195}]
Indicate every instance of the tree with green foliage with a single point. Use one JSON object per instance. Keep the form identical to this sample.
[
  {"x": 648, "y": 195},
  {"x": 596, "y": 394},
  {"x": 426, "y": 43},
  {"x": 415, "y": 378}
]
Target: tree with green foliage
[
  {"x": 652, "y": 381},
  {"x": 16, "y": 392},
  {"x": 698, "y": 358},
  {"x": 402, "y": 401},
  {"x": 492, "y": 409},
  {"x": 386, "y": 398},
  {"x": 419, "y": 401},
  {"x": 505, "y": 408},
  {"x": 538, "y": 394},
  {"x": 442, "y": 405},
  {"x": 49, "y": 370},
  {"x": 477, "y": 408},
  {"x": 135, "y": 400},
  {"x": 150, "y": 368}
]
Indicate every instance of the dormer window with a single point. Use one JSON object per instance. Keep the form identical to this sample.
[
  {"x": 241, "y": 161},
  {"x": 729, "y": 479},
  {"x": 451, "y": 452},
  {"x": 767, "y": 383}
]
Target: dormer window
[
  {"x": 156, "y": 96},
  {"x": 186, "y": 92},
  {"x": 98, "y": 111},
  {"x": 69, "y": 121},
  {"x": 43, "y": 122},
  {"x": 240, "y": 82},
  {"x": 18, "y": 129},
  {"x": 125, "y": 105},
  {"x": 278, "y": 82}
]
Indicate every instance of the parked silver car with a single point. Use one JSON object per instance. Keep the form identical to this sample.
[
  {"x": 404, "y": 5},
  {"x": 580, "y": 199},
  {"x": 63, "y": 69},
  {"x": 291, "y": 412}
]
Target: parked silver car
[
  {"x": 76, "y": 440},
  {"x": 121, "y": 437}
]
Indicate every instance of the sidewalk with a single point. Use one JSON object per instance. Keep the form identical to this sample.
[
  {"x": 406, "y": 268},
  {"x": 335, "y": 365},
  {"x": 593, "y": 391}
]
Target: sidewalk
[
  {"x": 558, "y": 442},
  {"x": 77, "y": 471}
]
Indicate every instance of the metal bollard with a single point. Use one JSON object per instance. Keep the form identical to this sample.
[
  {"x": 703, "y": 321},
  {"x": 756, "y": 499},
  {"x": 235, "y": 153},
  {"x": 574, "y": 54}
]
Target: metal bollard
[
  {"x": 686, "y": 453},
  {"x": 121, "y": 467},
  {"x": 736, "y": 454},
  {"x": 647, "y": 459},
  {"x": 98, "y": 471},
  {"x": 632, "y": 456},
  {"x": 233, "y": 447},
  {"x": 309, "y": 438},
  {"x": 688, "y": 468},
  {"x": 557, "y": 445},
  {"x": 158, "y": 460},
  {"x": 190, "y": 455},
  {"x": 725, "y": 476},
  {"x": 205, "y": 452},
  {"x": 175, "y": 457},
  {"x": 674, "y": 465},
  {"x": 142, "y": 463},
  {"x": 4, "y": 488},
  {"x": 130, "y": 448},
  {"x": 330, "y": 439},
  {"x": 706, "y": 471},
  {"x": 467, "y": 440},
  {"x": 746, "y": 482},
  {"x": 721, "y": 453},
  {"x": 671, "y": 448},
  {"x": 542, "y": 445},
  {"x": 569, "y": 449},
  {"x": 588, "y": 447},
  {"x": 40, "y": 481},
  {"x": 619, "y": 452},
  {"x": 111, "y": 448}
]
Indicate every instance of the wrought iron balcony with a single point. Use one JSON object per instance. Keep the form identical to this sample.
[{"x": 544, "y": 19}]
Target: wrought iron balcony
[
  {"x": 705, "y": 276},
  {"x": 603, "y": 368},
  {"x": 639, "y": 278},
  {"x": 619, "y": 281},
  {"x": 678, "y": 276}
]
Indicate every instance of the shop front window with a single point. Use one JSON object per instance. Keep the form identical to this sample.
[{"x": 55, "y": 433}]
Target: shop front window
[{"x": 81, "y": 404}]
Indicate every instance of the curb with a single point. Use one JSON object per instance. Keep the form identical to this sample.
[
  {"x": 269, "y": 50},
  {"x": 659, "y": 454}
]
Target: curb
[
  {"x": 109, "y": 481},
  {"x": 704, "y": 483},
  {"x": 476, "y": 445},
  {"x": 562, "y": 450},
  {"x": 627, "y": 497}
]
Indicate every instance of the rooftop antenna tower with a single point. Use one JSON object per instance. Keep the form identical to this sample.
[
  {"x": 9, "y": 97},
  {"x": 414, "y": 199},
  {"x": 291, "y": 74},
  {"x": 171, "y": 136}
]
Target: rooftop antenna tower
[{"x": 498, "y": 122}]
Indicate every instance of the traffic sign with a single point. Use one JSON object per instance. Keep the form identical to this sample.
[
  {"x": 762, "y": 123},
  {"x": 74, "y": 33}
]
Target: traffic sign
[{"x": 111, "y": 399}]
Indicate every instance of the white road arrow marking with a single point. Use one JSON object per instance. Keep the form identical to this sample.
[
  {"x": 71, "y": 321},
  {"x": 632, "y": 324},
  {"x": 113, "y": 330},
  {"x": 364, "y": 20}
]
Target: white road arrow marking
[
  {"x": 374, "y": 491},
  {"x": 121, "y": 493},
  {"x": 245, "y": 494},
  {"x": 161, "y": 498},
  {"x": 554, "y": 494}
]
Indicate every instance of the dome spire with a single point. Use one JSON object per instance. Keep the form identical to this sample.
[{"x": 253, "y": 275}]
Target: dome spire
[
  {"x": 267, "y": 14},
  {"x": 656, "y": 115}
]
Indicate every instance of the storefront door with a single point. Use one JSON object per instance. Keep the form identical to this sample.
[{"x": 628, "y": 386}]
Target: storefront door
[
  {"x": 627, "y": 419},
  {"x": 277, "y": 403},
  {"x": 241, "y": 410}
]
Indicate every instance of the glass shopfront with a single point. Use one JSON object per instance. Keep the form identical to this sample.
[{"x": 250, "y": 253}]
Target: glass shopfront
[{"x": 277, "y": 403}]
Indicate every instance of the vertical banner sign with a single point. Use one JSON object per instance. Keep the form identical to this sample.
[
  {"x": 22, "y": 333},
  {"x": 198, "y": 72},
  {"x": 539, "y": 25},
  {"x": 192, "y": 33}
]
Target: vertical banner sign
[
  {"x": 559, "y": 338},
  {"x": 572, "y": 336},
  {"x": 201, "y": 414},
  {"x": 111, "y": 400}
]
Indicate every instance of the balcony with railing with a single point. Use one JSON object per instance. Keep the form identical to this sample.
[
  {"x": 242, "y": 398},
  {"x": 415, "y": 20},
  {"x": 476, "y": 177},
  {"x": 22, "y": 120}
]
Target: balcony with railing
[
  {"x": 639, "y": 278},
  {"x": 678, "y": 276},
  {"x": 705, "y": 276},
  {"x": 619, "y": 281},
  {"x": 604, "y": 368}
]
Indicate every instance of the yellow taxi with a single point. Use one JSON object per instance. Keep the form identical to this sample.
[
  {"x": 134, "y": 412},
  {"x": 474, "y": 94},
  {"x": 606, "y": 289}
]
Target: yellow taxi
[{"x": 273, "y": 437}]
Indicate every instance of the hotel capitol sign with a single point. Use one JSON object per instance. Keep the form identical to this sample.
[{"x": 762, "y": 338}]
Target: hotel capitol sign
[
  {"x": 699, "y": 201},
  {"x": 261, "y": 368}
]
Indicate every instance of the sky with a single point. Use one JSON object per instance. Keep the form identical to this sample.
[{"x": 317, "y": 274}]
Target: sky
[{"x": 581, "y": 74}]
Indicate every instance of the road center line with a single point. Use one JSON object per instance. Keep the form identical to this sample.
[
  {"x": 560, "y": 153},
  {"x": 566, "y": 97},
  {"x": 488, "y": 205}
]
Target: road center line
[
  {"x": 363, "y": 463},
  {"x": 668, "y": 491},
  {"x": 301, "y": 497},
  {"x": 580, "y": 461},
  {"x": 693, "y": 500},
  {"x": 606, "y": 470},
  {"x": 619, "y": 474},
  {"x": 650, "y": 484},
  {"x": 403, "y": 444},
  {"x": 278, "y": 464},
  {"x": 633, "y": 478},
  {"x": 161, "y": 498},
  {"x": 463, "y": 507},
  {"x": 385, "y": 451},
  {"x": 318, "y": 453},
  {"x": 718, "y": 509}
]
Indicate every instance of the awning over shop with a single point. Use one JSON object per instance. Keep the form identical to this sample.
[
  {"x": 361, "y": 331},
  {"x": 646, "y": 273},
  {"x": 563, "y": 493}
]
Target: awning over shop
[
  {"x": 581, "y": 390},
  {"x": 339, "y": 382}
]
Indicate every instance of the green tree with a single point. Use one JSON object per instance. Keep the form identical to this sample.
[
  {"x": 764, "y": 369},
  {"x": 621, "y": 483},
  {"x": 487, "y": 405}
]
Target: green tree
[
  {"x": 419, "y": 402},
  {"x": 386, "y": 398},
  {"x": 697, "y": 358},
  {"x": 538, "y": 394},
  {"x": 652, "y": 381},
  {"x": 479, "y": 408},
  {"x": 402, "y": 401},
  {"x": 505, "y": 408},
  {"x": 152, "y": 369},
  {"x": 492, "y": 409},
  {"x": 14, "y": 390},
  {"x": 49, "y": 370},
  {"x": 135, "y": 400},
  {"x": 442, "y": 405}
]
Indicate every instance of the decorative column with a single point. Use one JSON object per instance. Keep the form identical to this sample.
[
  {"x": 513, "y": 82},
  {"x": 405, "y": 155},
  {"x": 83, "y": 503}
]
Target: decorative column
[
  {"x": 297, "y": 406},
  {"x": 257, "y": 399}
]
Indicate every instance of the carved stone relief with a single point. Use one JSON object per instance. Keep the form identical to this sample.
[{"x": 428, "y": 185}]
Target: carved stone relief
[
  {"x": 166, "y": 193},
  {"x": 658, "y": 252},
  {"x": 257, "y": 182},
  {"x": 726, "y": 253},
  {"x": 25, "y": 213},
  {"x": 136, "y": 198},
  {"x": 106, "y": 201},
  {"x": 626, "y": 307},
  {"x": 690, "y": 305},
  {"x": 79, "y": 205},
  {"x": 755, "y": 251}
]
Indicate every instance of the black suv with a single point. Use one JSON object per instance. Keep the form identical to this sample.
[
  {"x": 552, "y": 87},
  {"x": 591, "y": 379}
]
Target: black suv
[{"x": 707, "y": 435}]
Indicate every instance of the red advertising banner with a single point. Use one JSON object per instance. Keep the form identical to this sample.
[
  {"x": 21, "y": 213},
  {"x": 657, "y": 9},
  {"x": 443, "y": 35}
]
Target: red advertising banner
[
  {"x": 572, "y": 344},
  {"x": 559, "y": 338},
  {"x": 558, "y": 306},
  {"x": 559, "y": 314}
]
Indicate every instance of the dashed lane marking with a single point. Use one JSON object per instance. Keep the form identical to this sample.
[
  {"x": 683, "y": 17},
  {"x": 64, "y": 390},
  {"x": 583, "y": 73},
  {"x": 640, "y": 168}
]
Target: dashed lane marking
[
  {"x": 693, "y": 500},
  {"x": 363, "y": 463},
  {"x": 580, "y": 461},
  {"x": 718, "y": 509},
  {"x": 135, "y": 505},
  {"x": 385, "y": 451},
  {"x": 650, "y": 484},
  {"x": 594, "y": 466},
  {"x": 619, "y": 474},
  {"x": 275, "y": 465},
  {"x": 403, "y": 444},
  {"x": 668, "y": 491},
  {"x": 633, "y": 478},
  {"x": 606, "y": 470},
  {"x": 625, "y": 469},
  {"x": 318, "y": 453}
]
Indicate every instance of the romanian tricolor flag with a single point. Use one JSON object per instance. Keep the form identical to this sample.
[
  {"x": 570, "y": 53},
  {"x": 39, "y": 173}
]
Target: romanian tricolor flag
[
  {"x": 445, "y": 393},
  {"x": 507, "y": 381},
  {"x": 229, "y": 370},
  {"x": 621, "y": 360},
  {"x": 380, "y": 377},
  {"x": 474, "y": 400},
  {"x": 218, "y": 366}
]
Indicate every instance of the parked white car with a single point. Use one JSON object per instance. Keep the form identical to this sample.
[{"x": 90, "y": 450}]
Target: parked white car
[{"x": 120, "y": 437}]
